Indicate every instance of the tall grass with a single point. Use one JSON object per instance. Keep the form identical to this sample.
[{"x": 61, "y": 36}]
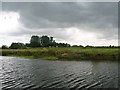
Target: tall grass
[{"x": 68, "y": 53}]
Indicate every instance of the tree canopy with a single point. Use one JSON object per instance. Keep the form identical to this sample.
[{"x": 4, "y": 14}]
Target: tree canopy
[
  {"x": 46, "y": 41},
  {"x": 17, "y": 46},
  {"x": 36, "y": 41}
]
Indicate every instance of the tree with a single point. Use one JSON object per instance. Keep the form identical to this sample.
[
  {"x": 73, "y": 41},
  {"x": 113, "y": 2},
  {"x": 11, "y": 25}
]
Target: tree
[
  {"x": 27, "y": 45},
  {"x": 35, "y": 41},
  {"x": 75, "y": 46},
  {"x": 88, "y": 46},
  {"x": 54, "y": 44},
  {"x": 4, "y": 47},
  {"x": 63, "y": 45},
  {"x": 17, "y": 46},
  {"x": 45, "y": 41},
  {"x": 51, "y": 40},
  {"x": 80, "y": 46}
]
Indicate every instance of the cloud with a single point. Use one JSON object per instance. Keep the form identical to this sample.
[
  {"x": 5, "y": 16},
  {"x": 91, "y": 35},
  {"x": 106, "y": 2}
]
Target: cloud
[
  {"x": 42, "y": 15},
  {"x": 57, "y": 18}
]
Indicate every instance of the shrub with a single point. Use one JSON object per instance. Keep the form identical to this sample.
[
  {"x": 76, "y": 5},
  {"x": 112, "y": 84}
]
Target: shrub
[{"x": 4, "y": 47}]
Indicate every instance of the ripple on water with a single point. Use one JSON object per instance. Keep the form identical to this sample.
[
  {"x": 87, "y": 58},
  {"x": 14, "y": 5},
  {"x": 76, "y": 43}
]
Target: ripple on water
[{"x": 17, "y": 73}]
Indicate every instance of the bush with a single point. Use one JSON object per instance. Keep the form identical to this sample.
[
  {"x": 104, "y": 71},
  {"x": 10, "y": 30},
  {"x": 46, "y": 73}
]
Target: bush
[
  {"x": 4, "y": 47},
  {"x": 17, "y": 46}
]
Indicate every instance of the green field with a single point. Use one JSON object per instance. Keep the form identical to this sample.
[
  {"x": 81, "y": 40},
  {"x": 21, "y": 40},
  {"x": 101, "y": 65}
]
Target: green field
[{"x": 64, "y": 53}]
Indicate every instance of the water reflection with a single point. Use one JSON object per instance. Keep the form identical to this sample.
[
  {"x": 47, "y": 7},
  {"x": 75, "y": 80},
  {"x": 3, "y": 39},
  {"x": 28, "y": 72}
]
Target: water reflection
[
  {"x": 0, "y": 73},
  {"x": 19, "y": 73}
]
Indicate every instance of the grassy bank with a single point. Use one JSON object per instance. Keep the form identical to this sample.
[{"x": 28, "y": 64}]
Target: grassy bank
[{"x": 69, "y": 53}]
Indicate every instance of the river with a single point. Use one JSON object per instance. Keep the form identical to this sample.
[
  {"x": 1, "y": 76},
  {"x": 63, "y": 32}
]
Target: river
[{"x": 32, "y": 74}]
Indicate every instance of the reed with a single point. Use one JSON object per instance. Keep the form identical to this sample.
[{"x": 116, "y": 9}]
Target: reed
[{"x": 65, "y": 53}]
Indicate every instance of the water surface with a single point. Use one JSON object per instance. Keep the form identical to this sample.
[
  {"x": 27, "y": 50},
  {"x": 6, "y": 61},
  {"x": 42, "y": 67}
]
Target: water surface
[{"x": 29, "y": 74}]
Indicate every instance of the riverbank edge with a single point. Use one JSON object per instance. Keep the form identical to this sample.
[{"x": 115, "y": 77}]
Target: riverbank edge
[
  {"x": 68, "y": 54},
  {"x": 53, "y": 59}
]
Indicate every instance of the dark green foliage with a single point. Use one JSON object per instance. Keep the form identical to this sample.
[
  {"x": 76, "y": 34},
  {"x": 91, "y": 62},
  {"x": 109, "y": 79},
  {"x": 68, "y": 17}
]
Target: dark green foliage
[
  {"x": 17, "y": 46},
  {"x": 27, "y": 45},
  {"x": 53, "y": 44},
  {"x": 35, "y": 41},
  {"x": 80, "y": 46},
  {"x": 4, "y": 47},
  {"x": 75, "y": 46},
  {"x": 51, "y": 39},
  {"x": 63, "y": 45},
  {"x": 89, "y": 46},
  {"x": 45, "y": 41}
]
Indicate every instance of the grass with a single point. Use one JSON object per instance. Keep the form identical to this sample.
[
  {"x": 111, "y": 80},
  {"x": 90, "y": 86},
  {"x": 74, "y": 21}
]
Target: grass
[{"x": 65, "y": 53}]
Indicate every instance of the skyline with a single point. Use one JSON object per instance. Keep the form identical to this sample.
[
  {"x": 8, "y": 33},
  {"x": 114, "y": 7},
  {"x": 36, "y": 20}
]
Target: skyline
[{"x": 88, "y": 23}]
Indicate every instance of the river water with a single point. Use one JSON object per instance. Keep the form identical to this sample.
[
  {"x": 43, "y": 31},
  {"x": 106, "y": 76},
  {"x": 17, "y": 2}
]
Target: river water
[{"x": 32, "y": 74}]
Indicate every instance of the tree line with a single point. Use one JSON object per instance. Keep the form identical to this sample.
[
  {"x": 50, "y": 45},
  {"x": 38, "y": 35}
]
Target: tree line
[
  {"x": 46, "y": 41},
  {"x": 36, "y": 41}
]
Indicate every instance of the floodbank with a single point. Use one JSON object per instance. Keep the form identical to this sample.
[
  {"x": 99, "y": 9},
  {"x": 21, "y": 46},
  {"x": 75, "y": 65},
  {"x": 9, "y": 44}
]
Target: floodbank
[{"x": 65, "y": 53}]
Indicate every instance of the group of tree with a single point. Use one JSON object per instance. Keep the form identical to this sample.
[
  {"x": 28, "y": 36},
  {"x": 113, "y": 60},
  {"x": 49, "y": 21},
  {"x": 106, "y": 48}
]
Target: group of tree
[
  {"x": 45, "y": 41},
  {"x": 36, "y": 41},
  {"x": 4, "y": 47},
  {"x": 17, "y": 46}
]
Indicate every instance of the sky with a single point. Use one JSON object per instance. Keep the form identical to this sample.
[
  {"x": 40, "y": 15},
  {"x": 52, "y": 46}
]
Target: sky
[{"x": 76, "y": 23}]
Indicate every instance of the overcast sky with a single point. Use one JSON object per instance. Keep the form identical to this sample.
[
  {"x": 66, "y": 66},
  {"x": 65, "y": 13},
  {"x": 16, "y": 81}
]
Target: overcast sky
[{"x": 88, "y": 23}]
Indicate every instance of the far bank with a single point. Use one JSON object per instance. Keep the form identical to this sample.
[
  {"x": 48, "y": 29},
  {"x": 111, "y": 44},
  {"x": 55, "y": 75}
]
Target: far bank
[{"x": 65, "y": 53}]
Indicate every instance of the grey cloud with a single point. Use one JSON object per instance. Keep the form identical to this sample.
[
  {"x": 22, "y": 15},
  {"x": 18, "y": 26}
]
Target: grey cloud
[
  {"x": 100, "y": 17},
  {"x": 65, "y": 14}
]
